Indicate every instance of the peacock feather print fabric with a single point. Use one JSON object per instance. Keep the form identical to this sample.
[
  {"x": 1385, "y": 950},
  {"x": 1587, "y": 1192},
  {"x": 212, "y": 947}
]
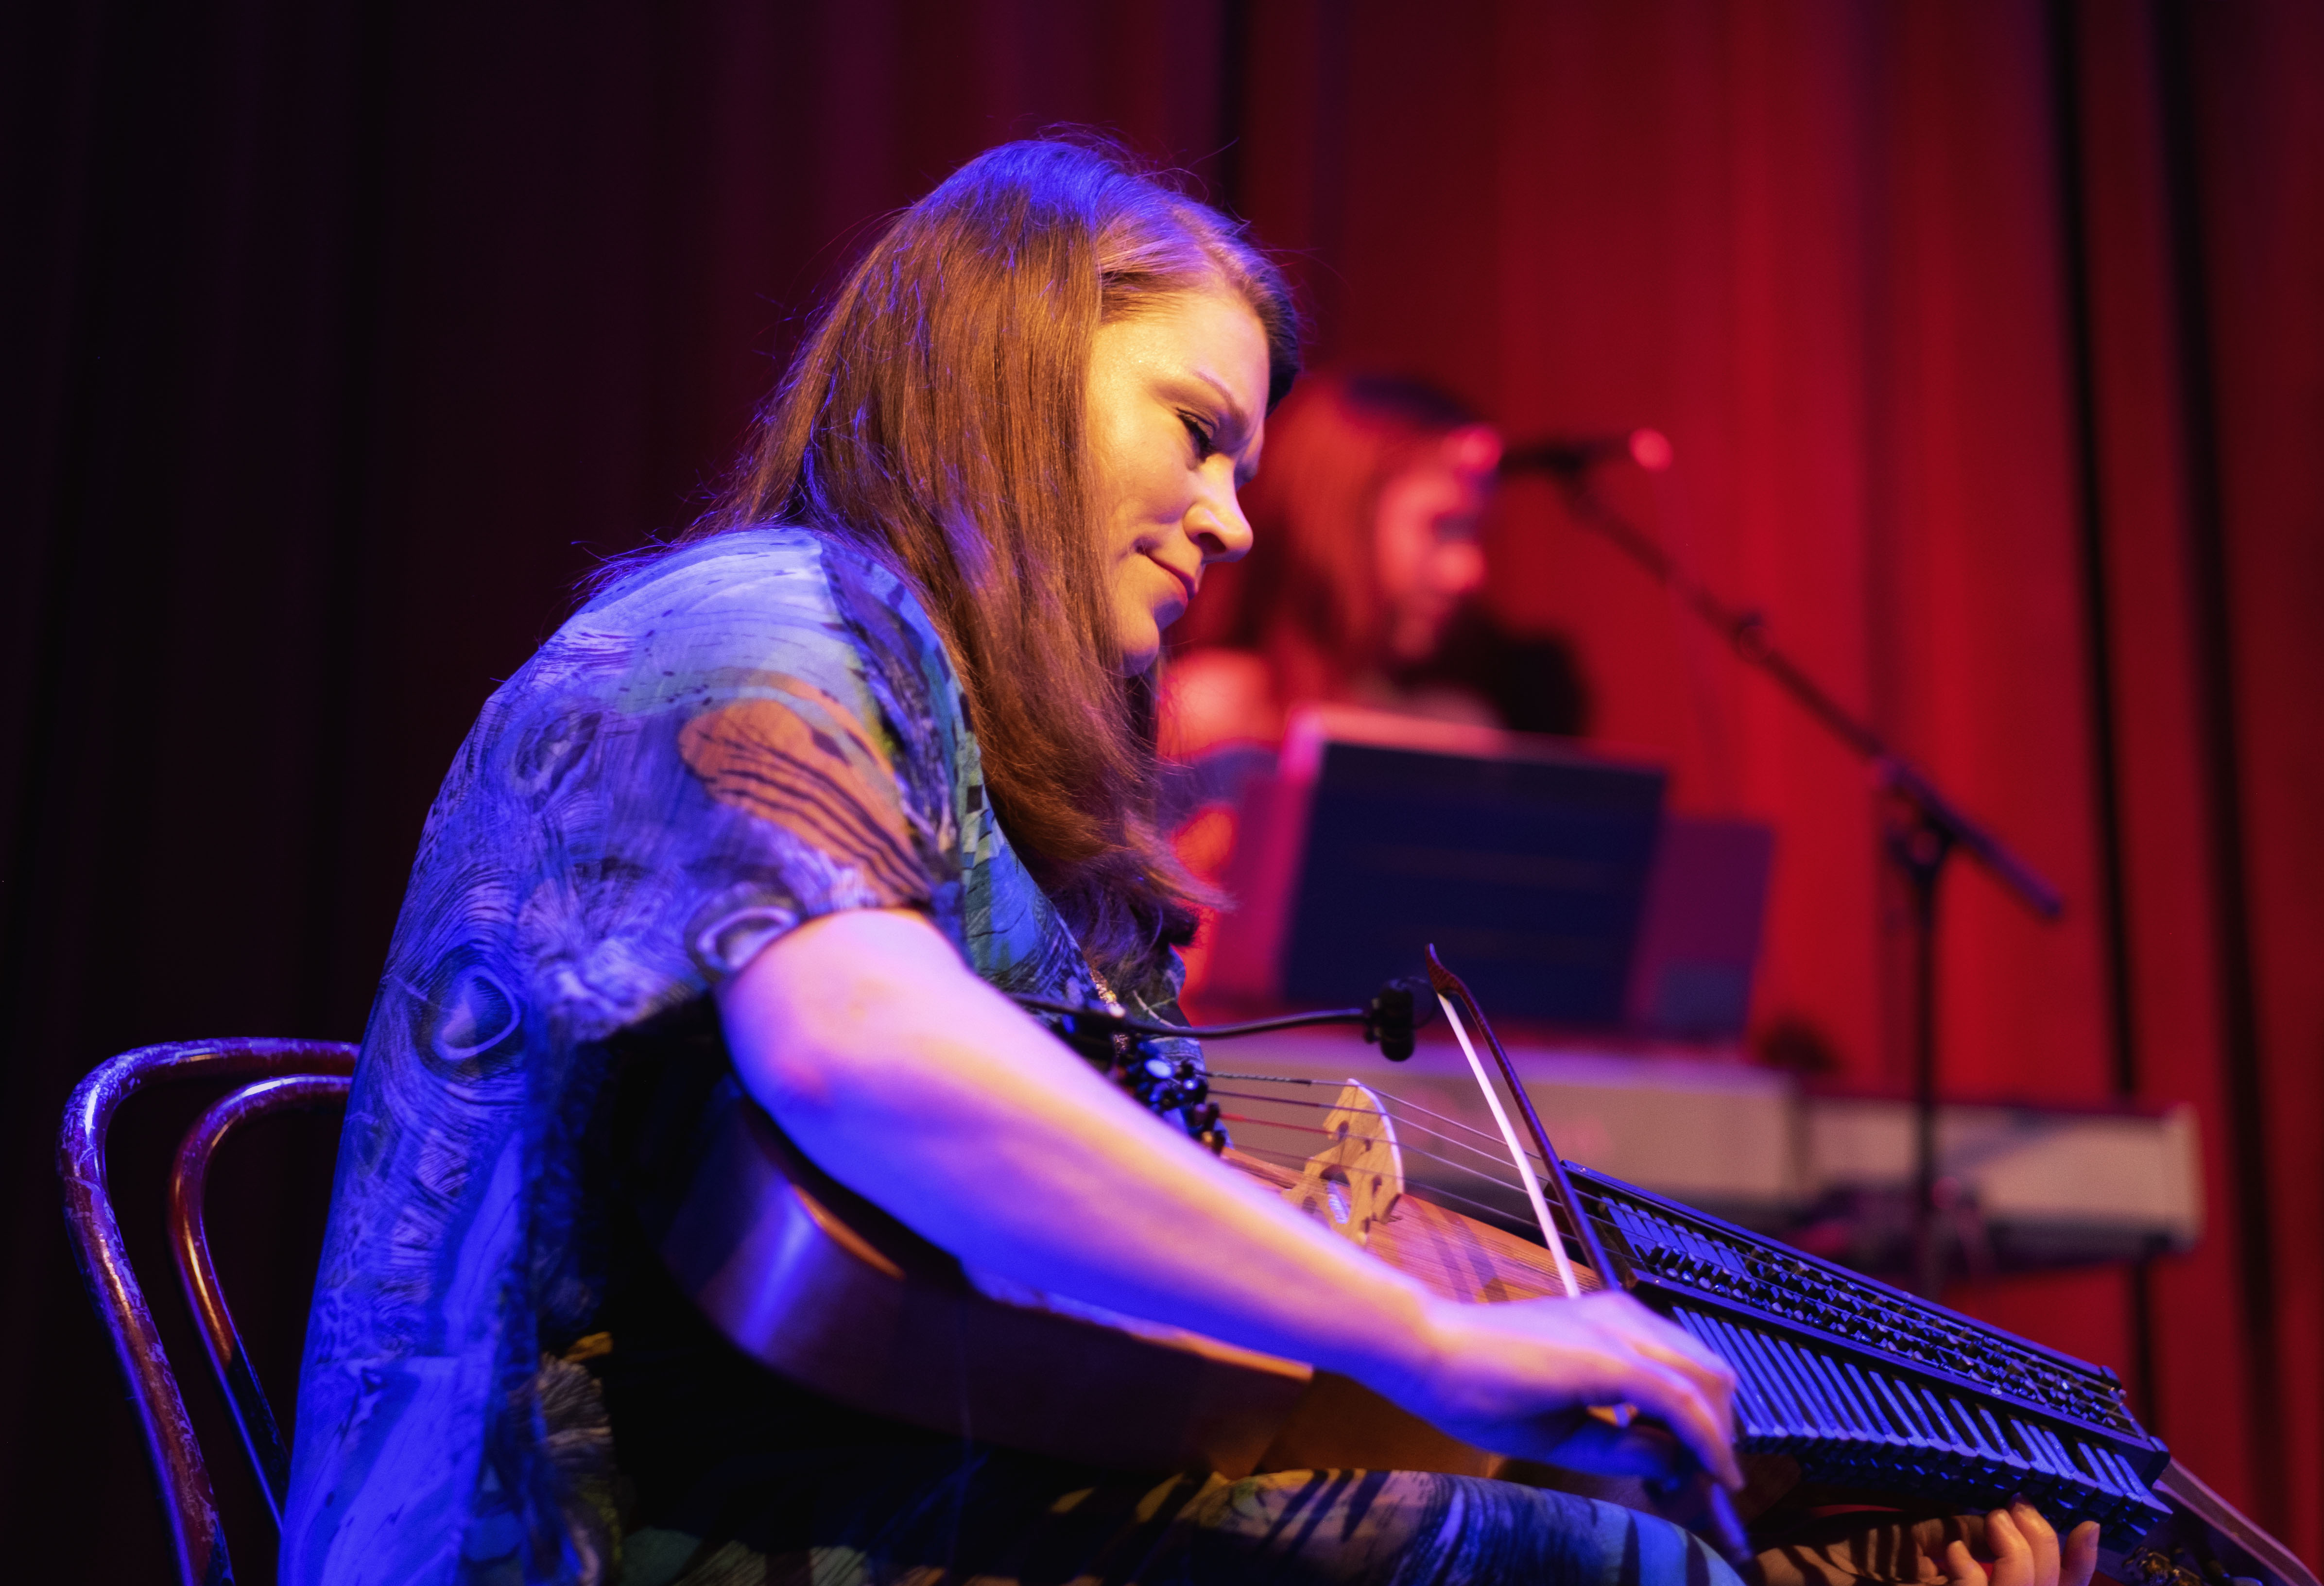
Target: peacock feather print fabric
[{"x": 746, "y": 734}]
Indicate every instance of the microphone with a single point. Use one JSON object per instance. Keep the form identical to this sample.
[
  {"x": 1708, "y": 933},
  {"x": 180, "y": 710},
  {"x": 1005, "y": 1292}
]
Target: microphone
[
  {"x": 1578, "y": 454},
  {"x": 1399, "y": 1007}
]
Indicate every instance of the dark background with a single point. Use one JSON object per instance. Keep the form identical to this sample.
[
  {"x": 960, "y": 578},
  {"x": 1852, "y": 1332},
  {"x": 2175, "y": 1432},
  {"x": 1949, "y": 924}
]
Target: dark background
[{"x": 340, "y": 338}]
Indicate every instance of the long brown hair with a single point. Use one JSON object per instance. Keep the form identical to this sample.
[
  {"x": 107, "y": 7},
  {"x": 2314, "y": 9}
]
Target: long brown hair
[{"x": 933, "y": 417}]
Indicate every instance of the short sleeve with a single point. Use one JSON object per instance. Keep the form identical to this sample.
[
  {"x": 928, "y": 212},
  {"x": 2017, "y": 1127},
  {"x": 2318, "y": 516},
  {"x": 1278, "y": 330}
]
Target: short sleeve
[
  {"x": 744, "y": 735},
  {"x": 738, "y": 743}
]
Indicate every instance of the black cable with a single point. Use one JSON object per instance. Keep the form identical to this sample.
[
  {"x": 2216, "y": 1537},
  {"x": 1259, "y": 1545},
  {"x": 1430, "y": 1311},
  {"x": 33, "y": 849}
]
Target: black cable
[
  {"x": 1400, "y": 1007},
  {"x": 1109, "y": 1019}
]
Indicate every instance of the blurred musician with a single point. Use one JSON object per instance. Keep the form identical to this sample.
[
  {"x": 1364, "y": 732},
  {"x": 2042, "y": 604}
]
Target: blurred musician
[
  {"x": 1361, "y": 588},
  {"x": 1360, "y": 584}
]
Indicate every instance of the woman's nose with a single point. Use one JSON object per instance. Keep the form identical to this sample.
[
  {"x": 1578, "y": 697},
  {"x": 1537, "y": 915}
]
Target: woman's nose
[{"x": 1218, "y": 527}]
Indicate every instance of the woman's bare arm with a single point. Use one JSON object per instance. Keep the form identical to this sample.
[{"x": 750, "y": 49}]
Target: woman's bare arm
[{"x": 923, "y": 1089}]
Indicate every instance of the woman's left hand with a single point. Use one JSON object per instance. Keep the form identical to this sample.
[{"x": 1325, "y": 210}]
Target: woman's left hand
[
  {"x": 2014, "y": 1547},
  {"x": 2022, "y": 1549}
]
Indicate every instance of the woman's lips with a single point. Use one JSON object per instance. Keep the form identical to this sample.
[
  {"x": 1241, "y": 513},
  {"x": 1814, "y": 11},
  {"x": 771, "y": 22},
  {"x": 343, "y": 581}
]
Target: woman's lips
[{"x": 1187, "y": 586}]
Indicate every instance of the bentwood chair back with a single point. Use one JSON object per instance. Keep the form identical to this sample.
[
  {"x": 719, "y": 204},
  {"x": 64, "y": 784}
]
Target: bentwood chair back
[{"x": 289, "y": 1076}]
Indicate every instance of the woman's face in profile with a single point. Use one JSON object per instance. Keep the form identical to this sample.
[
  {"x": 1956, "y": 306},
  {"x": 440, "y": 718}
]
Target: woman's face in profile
[
  {"x": 1176, "y": 411},
  {"x": 1425, "y": 538}
]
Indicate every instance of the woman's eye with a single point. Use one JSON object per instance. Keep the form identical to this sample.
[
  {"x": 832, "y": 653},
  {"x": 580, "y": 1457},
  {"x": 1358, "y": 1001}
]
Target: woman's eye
[{"x": 1200, "y": 433}]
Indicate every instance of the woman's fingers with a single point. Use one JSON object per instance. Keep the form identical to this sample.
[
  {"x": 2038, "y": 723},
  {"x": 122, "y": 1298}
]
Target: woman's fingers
[
  {"x": 2081, "y": 1556},
  {"x": 1691, "y": 1387},
  {"x": 1961, "y": 1568},
  {"x": 1703, "y": 1421},
  {"x": 1600, "y": 1350},
  {"x": 1693, "y": 1394},
  {"x": 1710, "y": 1376},
  {"x": 1667, "y": 1341},
  {"x": 2014, "y": 1562},
  {"x": 2041, "y": 1536},
  {"x": 1935, "y": 1551}
]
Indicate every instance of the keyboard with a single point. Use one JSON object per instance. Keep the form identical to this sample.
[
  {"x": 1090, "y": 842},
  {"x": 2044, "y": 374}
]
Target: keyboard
[{"x": 1869, "y": 1388}]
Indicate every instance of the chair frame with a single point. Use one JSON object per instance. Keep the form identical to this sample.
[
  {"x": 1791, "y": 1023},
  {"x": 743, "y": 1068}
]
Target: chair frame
[{"x": 288, "y": 1075}]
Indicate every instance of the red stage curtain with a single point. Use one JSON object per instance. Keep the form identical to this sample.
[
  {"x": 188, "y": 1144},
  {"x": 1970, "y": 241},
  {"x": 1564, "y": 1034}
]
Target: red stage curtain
[
  {"x": 1990, "y": 337},
  {"x": 1827, "y": 249}
]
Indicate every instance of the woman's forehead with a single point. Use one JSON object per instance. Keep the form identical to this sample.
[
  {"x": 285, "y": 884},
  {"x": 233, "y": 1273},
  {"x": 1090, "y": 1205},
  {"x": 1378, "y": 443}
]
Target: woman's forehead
[{"x": 1211, "y": 338}]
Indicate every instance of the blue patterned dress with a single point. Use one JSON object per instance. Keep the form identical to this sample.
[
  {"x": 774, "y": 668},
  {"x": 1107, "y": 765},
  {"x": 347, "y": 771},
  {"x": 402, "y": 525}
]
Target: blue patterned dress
[{"x": 747, "y": 733}]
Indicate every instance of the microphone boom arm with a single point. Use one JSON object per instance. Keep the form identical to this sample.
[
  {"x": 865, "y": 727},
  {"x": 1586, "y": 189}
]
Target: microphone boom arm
[
  {"x": 1745, "y": 632},
  {"x": 1924, "y": 826}
]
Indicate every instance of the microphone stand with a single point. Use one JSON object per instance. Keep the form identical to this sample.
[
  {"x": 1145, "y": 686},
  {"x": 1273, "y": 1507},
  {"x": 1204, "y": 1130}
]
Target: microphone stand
[{"x": 1922, "y": 829}]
